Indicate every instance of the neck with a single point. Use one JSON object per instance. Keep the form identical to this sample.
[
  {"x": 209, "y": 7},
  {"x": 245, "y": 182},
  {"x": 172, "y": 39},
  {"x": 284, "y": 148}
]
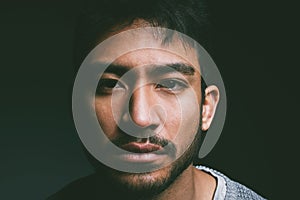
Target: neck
[
  {"x": 182, "y": 188},
  {"x": 192, "y": 184}
]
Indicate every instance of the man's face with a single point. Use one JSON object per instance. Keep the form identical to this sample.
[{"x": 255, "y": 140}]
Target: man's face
[{"x": 148, "y": 104}]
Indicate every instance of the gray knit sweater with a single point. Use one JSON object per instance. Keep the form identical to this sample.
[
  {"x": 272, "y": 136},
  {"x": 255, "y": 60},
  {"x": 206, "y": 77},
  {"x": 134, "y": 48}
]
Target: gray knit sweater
[
  {"x": 228, "y": 189},
  {"x": 88, "y": 188}
]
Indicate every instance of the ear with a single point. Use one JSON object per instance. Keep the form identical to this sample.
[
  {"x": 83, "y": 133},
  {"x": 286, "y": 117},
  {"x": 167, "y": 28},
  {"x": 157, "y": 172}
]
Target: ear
[{"x": 210, "y": 102}]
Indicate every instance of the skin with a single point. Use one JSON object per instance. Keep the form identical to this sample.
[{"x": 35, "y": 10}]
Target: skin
[{"x": 168, "y": 104}]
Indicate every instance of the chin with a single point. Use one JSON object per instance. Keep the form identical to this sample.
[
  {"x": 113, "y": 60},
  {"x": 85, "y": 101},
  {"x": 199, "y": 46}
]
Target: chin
[{"x": 150, "y": 182}]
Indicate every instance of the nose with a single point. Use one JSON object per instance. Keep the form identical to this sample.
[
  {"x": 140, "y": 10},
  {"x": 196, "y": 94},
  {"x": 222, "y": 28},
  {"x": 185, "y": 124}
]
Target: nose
[{"x": 142, "y": 108}]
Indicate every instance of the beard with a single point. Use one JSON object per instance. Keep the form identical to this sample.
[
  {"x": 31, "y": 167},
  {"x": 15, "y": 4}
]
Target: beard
[{"x": 145, "y": 185}]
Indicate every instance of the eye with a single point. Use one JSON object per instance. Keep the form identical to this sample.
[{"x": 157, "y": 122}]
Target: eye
[
  {"x": 105, "y": 86},
  {"x": 172, "y": 85}
]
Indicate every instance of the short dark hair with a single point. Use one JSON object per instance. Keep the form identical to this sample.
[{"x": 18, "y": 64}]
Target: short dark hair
[{"x": 99, "y": 17}]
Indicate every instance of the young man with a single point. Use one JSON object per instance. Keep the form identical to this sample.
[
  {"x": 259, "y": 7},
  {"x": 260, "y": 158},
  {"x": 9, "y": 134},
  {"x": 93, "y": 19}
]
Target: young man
[{"x": 151, "y": 103}]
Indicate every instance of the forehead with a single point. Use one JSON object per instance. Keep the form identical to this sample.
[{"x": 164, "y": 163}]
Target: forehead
[
  {"x": 144, "y": 46},
  {"x": 149, "y": 57}
]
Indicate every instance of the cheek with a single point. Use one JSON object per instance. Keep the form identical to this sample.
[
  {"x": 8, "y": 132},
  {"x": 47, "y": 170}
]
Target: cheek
[
  {"x": 187, "y": 123},
  {"x": 190, "y": 120},
  {"x": 105, "y": 116}
]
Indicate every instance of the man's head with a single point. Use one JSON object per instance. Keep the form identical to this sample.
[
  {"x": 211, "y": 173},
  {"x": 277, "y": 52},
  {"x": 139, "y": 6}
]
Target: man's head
[
  {"x": 101, "y": 18},
  {"x": 151, "y": 103}
]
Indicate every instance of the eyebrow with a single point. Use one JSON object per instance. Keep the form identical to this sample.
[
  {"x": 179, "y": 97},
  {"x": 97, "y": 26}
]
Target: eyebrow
[
  {"x": 182, "y": 68},
  {"x": 169, "y": 68},
  {"x": 116, "y": 69}
]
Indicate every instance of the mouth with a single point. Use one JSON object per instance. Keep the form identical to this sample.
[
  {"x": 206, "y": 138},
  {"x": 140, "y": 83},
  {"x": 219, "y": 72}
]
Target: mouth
[
  {"x": 136, "y": 147},
  {"x": 143, "y": 153}
]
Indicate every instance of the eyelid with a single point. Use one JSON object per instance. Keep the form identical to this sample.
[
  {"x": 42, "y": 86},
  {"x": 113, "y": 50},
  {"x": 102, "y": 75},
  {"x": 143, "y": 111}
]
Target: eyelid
[
  {"x": 112, "y": 78},
  {"x": 179, "y": 83},
  {"x": 107, "y": 85},
  {"x": 107, "y": 75},
  {"x": 180, "y": 79},
  {"x": 177, "y": 80}
]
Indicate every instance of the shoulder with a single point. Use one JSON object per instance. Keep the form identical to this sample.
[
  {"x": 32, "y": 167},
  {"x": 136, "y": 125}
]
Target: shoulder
[
  {"x": 230, "y": 189},
  {"x": 78, "y": 189}
]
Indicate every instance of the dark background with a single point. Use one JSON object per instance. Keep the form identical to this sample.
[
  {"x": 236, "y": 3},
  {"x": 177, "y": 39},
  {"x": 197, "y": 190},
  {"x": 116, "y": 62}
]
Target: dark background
[{"x": 254, "y": 47}]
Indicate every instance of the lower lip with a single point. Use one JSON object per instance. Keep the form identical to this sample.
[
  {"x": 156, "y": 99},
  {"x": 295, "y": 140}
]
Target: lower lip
[{"x": 143, "y": 157}]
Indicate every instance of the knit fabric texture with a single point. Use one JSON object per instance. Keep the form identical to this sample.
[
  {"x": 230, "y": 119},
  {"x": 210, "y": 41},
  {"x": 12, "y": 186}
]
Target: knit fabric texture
[{"x": 234, "y": 190}]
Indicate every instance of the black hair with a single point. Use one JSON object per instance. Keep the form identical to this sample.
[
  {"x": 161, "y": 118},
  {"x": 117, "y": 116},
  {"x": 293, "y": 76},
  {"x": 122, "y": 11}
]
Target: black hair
[{"x": 99, "y": 17}]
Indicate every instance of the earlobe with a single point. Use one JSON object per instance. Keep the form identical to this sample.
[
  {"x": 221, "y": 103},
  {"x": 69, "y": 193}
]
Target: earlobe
[{"x": 210, "y": 102}]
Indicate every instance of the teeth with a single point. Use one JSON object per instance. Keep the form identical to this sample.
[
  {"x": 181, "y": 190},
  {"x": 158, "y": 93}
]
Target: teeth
[
  {"x": 139, "y": 140},
  {"x": 144, "y": 140}
]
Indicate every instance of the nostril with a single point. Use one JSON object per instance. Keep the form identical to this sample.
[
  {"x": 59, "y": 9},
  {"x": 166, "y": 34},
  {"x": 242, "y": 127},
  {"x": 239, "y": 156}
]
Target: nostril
[
  {"x": 129, "y": 127},
  {"x": 143, "y": 117}
]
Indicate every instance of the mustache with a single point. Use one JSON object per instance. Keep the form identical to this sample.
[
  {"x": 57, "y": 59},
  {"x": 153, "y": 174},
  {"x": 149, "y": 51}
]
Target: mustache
[{"x": 124, "y": 138}]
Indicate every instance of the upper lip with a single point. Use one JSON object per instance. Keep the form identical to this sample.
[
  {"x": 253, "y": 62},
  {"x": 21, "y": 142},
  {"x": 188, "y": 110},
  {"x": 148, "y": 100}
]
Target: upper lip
[{"x": 137, "y": 147}]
